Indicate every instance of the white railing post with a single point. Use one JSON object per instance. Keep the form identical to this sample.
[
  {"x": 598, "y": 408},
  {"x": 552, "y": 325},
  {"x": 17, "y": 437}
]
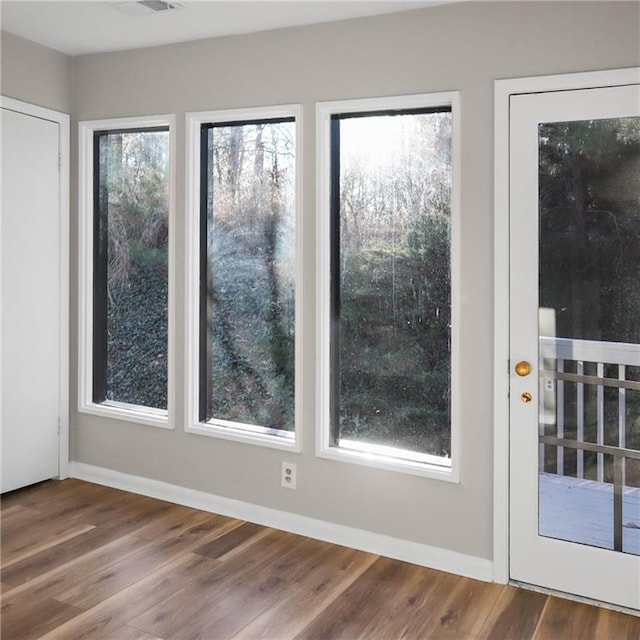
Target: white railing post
[
  {"x": 622, "y": 410},
  {"x": 580, "y": 419},
  {"x": 560, "y": 417},
  {"x": 600, "y": 421}
]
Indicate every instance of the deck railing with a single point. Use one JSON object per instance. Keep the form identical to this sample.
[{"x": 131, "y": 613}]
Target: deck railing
[{"x": 559, "y": 358}]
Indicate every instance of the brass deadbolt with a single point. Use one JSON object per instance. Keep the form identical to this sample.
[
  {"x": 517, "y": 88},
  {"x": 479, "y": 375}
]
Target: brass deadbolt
[{"x": 526, "y": 397}]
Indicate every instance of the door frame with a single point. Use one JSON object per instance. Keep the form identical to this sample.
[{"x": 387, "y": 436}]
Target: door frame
[
  {"x": 62, "y": 120},
  {"x": 503, "y": 90}
]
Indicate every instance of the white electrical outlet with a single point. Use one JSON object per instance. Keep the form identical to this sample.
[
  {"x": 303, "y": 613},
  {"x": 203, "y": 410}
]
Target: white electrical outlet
[{"x": 288, "y": 475}]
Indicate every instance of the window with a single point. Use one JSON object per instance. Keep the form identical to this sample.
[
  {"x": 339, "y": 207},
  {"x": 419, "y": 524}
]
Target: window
[
  {"x": 125, "y": 237},
  {"x": 246, "y": 274},
  {"x": 387, "y": 235}
]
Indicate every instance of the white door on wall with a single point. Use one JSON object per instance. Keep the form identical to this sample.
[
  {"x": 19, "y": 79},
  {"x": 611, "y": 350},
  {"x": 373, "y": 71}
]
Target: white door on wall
[
  {"x": 31, "y": 299},
  {"x": 575, "y": 334}
]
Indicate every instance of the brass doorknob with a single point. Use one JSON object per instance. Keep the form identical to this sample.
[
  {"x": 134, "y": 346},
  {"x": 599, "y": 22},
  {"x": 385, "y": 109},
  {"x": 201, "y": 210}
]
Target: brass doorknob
[{"x": 523, "y": 368}]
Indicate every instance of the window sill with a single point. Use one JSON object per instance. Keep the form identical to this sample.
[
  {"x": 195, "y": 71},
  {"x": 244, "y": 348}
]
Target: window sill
[
  {"x": 248, "y": 434},
  {"x": 129, "y": 413},
  {"x": 424, "y": 465}
]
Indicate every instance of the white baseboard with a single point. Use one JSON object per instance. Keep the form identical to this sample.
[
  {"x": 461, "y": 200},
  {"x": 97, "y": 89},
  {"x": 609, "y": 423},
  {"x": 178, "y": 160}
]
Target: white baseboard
[{"x": 379, "y": 544}]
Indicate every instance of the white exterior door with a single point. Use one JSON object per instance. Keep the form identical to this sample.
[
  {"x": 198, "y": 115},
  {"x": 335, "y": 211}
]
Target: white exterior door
[
  {"x": 32, "y": 295},
  {"x": 574, "y": 353}
]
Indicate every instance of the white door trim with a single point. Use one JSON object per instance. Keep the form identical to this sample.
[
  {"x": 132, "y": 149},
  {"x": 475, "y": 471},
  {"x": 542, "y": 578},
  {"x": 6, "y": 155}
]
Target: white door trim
[
  {"x": 62, "y": 120},
  {"x": 503, "y": 90}
]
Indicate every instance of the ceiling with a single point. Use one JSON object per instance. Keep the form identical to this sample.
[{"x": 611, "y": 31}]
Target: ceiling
[{"x": 92, "y": 26}]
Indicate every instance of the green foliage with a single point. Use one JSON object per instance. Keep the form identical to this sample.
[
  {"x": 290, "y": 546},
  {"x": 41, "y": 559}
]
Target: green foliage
[
  {"x": 395, "y": 306},
  {"x": 135, "y": 177},
  {"x": 395, "y": 360},
  {"x": 250, "y": 275},
  {"x": 134, "y": 185},
  {"x": 589, "y": 228},
  {"x": 137, "y": 338}
]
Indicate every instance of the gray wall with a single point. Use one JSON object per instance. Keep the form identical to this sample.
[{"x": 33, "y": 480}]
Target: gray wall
[
  {"x": 36, "y": 74},
  {"x": 457, "y": 47}
]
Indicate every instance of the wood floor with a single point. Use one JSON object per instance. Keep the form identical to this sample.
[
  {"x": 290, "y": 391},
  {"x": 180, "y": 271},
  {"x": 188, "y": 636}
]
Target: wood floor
[{"x": 82, "y": 561}]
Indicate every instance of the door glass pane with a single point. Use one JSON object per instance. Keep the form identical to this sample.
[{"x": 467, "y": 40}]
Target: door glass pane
[{"x": 589, "y": 328}]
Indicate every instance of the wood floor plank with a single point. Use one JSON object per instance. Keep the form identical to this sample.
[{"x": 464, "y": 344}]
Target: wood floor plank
[
  {"x": 271, "y": 586},
  {"x": 94, "y": 576},
  {"x": 31, "y": 545},
  {"x": 131, "y": 515},
  {"x": 26, "y": 619},
  {"x": 417, "y": 607},
  {"x": 127, "y": 511},
  {"x": 92, "y": 503},
  {"x": 516, "y": 615},
  {"x": 398, "y": 600},
  {"x": 29, "y": 524},
  {"x": 261, "y": 591},
  {"x": 384, "y": 600},
  {"x": 130, "y": 633},
  {"x": 617, "y": 626},
  {"x": 118, "y": 610},
  {"x": 464, "y": 611},
  {"x": 232, "y": 595},
  {"x": 100, "y": 585},
  {"x": 327, "y": 574},
  {"x": 176, "y": 520},
  {"x": 233, "y": 607},
  {"x": 187, "y": 534},
  {"x": 568, "y": 620},
  {"x": 234, "y": 539},
  {"x": 58, "y": 555},
  {"x": 16, "y": 511},
  {"x": 66, "y": 577},
  {"x": 41, "y": 494},
  {"x": 74, "y": 512},
  {"x": 69, "y": 498}
]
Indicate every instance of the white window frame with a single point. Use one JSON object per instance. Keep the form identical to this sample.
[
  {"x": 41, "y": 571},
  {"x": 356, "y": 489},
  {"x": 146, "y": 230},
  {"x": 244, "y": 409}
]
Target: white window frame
[
  {"x": 151, "y": 416},
  {"x": 224, "y": 429},
  {"x": 368, "y": 454}
]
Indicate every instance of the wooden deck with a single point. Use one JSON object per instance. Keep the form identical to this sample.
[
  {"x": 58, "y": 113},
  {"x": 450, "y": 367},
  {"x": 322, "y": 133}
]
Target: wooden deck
[
  {"x": 85, "y": 562},
  {"x": 582, "y": 511}
]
